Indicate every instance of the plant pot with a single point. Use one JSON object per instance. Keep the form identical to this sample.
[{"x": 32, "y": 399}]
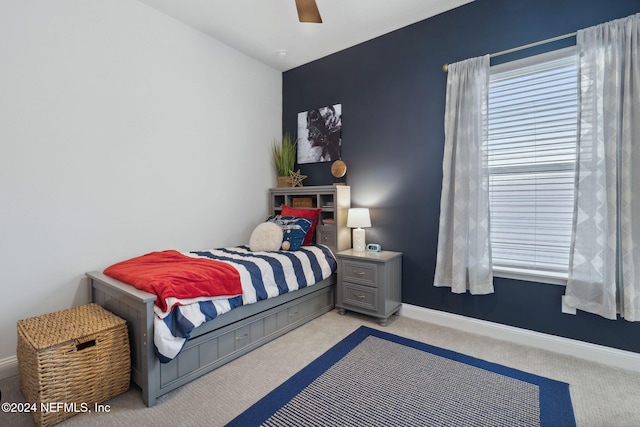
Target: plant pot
[{"x": 285, "y": 181}]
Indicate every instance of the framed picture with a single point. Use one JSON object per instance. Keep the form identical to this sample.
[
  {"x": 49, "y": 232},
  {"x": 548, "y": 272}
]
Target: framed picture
[{"x": 320, "y": 134}]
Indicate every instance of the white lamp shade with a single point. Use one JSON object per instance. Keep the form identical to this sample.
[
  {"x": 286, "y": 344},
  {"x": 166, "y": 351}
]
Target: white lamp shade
[{"x": 358, "y": 218}]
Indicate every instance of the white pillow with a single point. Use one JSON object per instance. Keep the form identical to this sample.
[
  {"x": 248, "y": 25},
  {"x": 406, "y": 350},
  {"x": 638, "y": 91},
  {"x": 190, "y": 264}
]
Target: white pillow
[{"x": 267, "y": 236}]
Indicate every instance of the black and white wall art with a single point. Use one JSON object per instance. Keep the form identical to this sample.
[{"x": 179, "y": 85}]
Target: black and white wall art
[{"x": 320, "y": 134}]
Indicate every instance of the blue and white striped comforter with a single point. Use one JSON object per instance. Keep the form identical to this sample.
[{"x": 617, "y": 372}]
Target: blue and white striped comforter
[{"x": 263, "y": 275}]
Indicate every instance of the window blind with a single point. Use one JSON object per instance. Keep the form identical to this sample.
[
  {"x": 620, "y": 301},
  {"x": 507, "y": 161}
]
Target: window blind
[{"x": 532, "y": 132}]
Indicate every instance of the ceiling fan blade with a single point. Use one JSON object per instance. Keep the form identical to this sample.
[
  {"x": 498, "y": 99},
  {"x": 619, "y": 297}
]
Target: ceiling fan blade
[{"x": 308, "y": 11}]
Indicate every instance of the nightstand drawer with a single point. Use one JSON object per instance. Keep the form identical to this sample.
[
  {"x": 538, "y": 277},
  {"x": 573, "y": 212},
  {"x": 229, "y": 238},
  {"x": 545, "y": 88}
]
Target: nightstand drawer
[
  {"x": 360, "y": 296},
  {"x": 363, "y": 273}
]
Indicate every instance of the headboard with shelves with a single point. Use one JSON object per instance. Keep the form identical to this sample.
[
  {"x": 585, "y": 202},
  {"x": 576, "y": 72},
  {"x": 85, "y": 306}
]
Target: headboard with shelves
[{"x": 334, "y": 200}]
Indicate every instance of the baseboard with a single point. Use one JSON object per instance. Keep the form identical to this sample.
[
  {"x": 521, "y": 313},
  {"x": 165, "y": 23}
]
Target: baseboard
[
  {"x": 592, "y": 352},
  {"x": 8, "y": 367}
]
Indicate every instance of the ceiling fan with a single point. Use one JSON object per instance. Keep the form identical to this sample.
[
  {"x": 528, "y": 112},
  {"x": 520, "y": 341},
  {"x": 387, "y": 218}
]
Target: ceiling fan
[{"x": 308, "y": 11}]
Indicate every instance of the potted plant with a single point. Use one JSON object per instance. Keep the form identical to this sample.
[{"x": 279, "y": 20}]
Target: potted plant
[{"x": 284, "y": 157}]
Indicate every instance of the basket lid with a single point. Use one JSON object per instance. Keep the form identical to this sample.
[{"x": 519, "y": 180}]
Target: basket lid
[{"x": 62, "y": 326}]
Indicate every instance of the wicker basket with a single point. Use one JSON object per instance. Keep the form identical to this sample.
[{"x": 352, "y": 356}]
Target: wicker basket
[
  {"x": 285, "y": 181},
  {"x": 71, "y": 360},
  {"x": 303, "y": 202}
]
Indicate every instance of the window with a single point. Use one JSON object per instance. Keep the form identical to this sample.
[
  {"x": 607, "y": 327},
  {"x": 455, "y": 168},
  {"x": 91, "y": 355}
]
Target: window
[{"x": 532, "y": 132}]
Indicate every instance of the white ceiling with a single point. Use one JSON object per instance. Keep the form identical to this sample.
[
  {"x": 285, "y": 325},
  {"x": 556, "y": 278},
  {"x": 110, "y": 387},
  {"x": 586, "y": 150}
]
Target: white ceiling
[{"x": 262, "y": 28}]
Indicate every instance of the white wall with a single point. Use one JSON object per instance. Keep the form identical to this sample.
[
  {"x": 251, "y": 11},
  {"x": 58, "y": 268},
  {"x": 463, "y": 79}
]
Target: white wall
[{"x": 122, "y": 131}]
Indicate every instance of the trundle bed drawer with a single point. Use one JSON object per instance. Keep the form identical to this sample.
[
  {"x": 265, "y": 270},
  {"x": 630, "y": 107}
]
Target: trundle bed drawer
[{"x": 219, "y": 346}]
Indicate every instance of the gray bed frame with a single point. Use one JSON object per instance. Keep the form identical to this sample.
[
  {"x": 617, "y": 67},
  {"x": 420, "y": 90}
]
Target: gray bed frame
[{"x": 213, "y": 343}]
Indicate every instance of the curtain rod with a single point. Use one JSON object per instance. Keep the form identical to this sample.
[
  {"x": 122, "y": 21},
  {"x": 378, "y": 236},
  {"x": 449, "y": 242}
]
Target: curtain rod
[{"x": 445, "y": 67}]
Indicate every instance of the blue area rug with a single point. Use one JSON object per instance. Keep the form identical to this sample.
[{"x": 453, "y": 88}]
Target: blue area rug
[{"x": 373, "y": 378}]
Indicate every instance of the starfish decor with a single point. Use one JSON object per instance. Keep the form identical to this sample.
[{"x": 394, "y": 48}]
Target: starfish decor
[{"x": 296, "y": 178}]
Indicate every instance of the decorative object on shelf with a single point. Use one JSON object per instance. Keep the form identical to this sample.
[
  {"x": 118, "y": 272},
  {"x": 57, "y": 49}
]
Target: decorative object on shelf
[
  {"x": 339, "y": 170},
  {"x": 320, "y": 134},
  {"x": 303, "y": 202},
  {"x": 358, "y": 218},
  {"x": 296, "y": 178},
  {"x": 284, "y": 157},
  {"x": 284, "y": 181}
]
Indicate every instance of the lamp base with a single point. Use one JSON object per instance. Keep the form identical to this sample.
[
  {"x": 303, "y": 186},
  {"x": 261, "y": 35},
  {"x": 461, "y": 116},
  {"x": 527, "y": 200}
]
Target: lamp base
[{"x": 358, "y": 239}]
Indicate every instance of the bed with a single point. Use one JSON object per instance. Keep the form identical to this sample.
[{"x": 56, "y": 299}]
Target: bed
[{"x": 214, "y": 342}]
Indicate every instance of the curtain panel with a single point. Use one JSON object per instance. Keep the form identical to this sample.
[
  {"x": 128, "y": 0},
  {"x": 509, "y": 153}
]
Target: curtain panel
[
  {"x": 463, "y": 260},
  {"x": 604, "y": 266}
]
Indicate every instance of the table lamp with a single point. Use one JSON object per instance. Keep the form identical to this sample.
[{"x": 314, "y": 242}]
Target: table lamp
[{"x": 357, "y": 219}]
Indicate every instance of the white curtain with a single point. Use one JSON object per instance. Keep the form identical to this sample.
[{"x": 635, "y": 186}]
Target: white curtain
[
  {"x": 604, "y": 269},
  {"x": 464, "y": 252}
]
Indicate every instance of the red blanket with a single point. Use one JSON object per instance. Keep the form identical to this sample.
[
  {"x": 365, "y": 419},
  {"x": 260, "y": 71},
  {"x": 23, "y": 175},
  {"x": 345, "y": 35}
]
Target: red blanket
[{"x": 170, "y": 274}]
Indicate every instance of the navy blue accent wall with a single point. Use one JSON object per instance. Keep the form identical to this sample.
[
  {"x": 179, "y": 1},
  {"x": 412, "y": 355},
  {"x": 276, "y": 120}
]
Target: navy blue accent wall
[{"x": 392, "y": 91}]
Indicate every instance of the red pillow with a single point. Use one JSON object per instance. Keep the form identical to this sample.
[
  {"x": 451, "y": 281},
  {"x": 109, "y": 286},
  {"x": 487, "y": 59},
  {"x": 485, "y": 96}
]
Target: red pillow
[{"x": 313, "y": 214}]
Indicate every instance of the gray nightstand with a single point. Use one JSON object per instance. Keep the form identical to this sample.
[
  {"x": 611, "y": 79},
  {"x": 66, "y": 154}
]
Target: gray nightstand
[{"x": 369, "y": 283}]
